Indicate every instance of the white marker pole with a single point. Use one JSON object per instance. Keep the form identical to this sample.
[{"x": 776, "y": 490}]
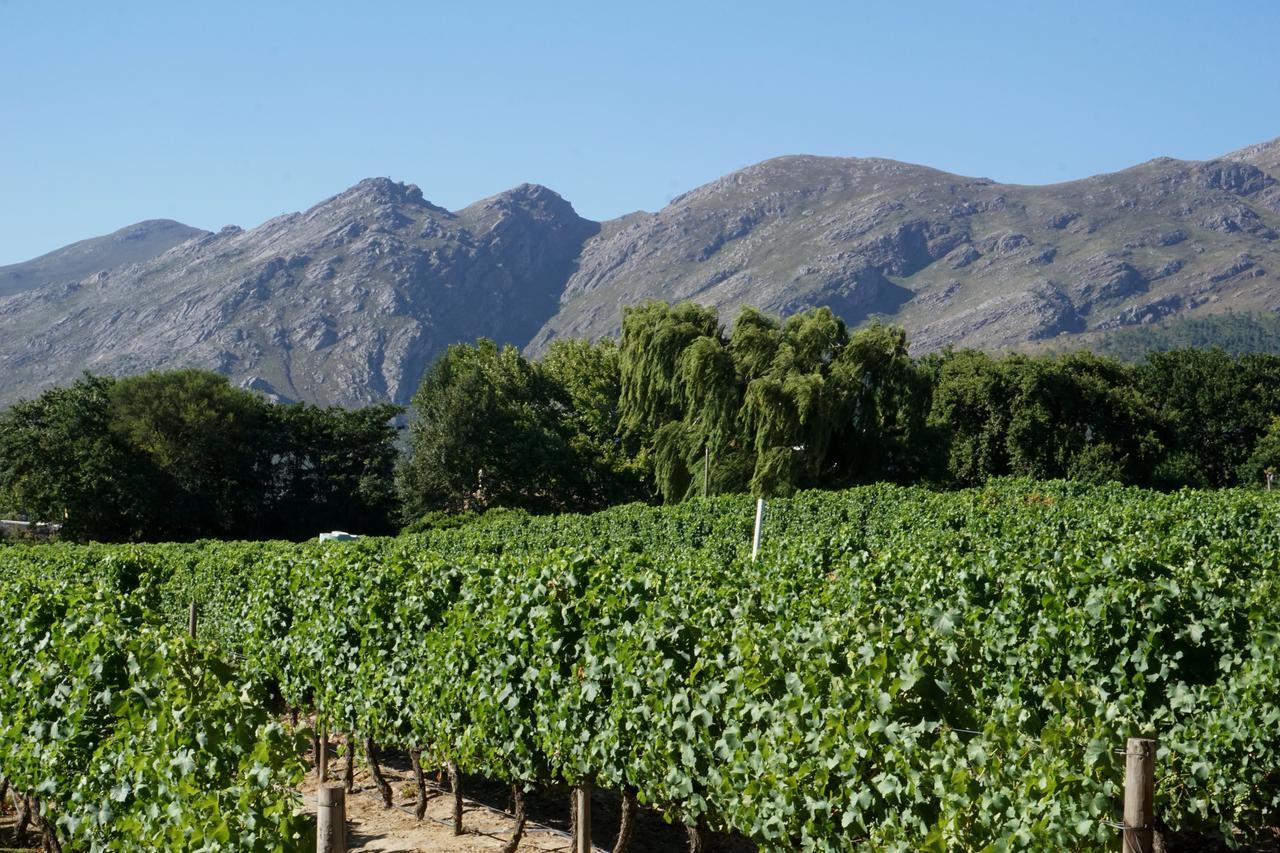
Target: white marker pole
[{"x": 755, "y": 539}]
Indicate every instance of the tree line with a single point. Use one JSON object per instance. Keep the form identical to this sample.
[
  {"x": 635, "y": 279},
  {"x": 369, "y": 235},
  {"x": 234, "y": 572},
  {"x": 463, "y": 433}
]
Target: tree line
[
  {"x": 181, "y": 455},
  {"x": 679, "y": 405}
]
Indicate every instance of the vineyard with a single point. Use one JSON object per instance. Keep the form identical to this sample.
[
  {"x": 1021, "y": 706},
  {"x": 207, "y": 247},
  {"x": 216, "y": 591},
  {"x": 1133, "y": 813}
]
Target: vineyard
[{"x": 899, "y": 670}]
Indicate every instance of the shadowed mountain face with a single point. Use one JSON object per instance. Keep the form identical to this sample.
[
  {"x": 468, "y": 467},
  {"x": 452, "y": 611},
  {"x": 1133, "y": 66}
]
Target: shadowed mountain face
[
  {"x": 350, "y": 301},
  {"x": 132, "y": 245}
]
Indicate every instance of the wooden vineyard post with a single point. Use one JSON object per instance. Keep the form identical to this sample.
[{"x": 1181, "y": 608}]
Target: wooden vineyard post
[
  {"x": 755, "y": 537},
  {"x": 322, "y": 754},
  {"x": 1139, "y": 795},
  {"x": 582, "y": 824},
  {"x": 191, "y": 620},
  {"x": 331, "y": 820}
]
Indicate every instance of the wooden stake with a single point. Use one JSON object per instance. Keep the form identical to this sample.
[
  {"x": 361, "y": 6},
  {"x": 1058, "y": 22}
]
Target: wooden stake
[
  {"x": 1139, "y": 795},
  {"x": 191, "y": 620},
  {"x": 322, "y": 760},
  {"x": 582, "y": 825},
  {"x": 455, "y": 784},
  {"x": 331, "y": 820}
]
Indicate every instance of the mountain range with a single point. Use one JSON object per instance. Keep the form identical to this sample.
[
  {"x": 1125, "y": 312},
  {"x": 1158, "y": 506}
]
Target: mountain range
[{"x": 348, "y": 302}]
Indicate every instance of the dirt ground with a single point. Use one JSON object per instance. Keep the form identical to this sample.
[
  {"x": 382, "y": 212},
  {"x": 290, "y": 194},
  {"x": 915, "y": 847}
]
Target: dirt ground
[
  {"x": 487, "y": 818},
  {"x": 7, "y": 821},
  {"x": 371, "y": 827}
]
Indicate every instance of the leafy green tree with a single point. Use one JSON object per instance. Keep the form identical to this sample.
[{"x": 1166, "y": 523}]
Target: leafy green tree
[
  {"x": 205, "y": 441},
  {"x": 772, "y": 405},
  {"x": 1077, "y": 416},
  {"x": 1213, "y": 408},
  {"x": 1265, "y": 459},
  {"x": 972, "y": 401},
  {"x": 883, "y": 433},
  {"x": 183, "y": 455},
  {"x": 654, "y": 338},
  {"x": 587, "y": 381},
  {"x": 1080, "y": 417},
  {"x": 333, "y": 468},
  {"x": 487, "y": 431},
  {"x": 60, "y": 461}
]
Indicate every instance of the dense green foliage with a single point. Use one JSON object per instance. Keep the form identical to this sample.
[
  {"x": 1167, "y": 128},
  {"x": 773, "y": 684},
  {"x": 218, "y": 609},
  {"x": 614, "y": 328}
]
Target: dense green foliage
[
  {"x": 492, "y": 428},
  {"x": 130, "y": 736},
  {"x": 901, "y": 669},
  {"x": 682, "y": 404},
  {"x": 1077, "y": 417},
  {"x": 1236, "y": 334},
  {"x": 1214, "y": 409},
  {"x": 771, "y": 405},
  {"x": 183, "y": 454},
  {"x": 1264, "y": 464}
]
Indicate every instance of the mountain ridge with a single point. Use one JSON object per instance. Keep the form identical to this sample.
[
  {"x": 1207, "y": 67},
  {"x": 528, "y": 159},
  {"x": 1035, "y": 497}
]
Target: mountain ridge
[
  {"x": 348, "y": 301},
  {"x": 132, "y": 244}
]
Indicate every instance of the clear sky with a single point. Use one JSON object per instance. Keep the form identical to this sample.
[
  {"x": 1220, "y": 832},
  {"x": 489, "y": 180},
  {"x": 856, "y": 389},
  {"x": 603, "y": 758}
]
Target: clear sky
[{"x": 224, "y": 112}]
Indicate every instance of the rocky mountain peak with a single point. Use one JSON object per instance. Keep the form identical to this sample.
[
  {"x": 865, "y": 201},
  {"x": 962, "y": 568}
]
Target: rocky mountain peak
[
  {"x": 959, "y": 261},
  {"x": 1264, "y": 155},
  {"x": 383, "y": 191},
  {"x": 347, "y": 302},
  {"x": 527, "y": 199}
]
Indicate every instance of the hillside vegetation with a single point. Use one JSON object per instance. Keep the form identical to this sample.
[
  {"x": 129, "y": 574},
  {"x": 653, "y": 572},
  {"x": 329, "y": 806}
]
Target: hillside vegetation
[{"x": 681, "y": 406}]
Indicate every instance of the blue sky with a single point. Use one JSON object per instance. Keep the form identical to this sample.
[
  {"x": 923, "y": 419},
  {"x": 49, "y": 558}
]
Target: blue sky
[{"x": 228, "y": 112}]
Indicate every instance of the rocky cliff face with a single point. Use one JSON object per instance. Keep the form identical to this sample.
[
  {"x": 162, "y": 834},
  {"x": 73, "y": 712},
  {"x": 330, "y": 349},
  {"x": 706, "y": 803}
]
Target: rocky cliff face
[
  {"x": 958, "y": 261},
  {"x": 346, "y": 303},
  {"x": 349, "y": 301}
]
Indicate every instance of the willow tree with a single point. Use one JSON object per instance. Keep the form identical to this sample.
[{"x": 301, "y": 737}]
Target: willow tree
[
  {"x": 794, "y": 404},
  {"x": 884, "y": 433},
  {"x": 654, "y": 336},
  {"x": 679, "y": 390},
  {"x": 762, "y": 406}
]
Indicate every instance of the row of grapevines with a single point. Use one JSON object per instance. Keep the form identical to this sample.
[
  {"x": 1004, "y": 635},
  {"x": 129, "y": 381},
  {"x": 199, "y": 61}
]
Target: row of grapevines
[
  {"x": 129, "y": 736},
  {"x": 900, "y": 670}
]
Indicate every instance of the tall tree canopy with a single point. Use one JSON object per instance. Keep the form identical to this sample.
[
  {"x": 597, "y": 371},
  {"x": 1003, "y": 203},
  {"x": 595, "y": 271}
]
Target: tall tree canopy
[
  {"x": 769, "y": 406},
  {"x": 203, "y": 439},
  {"x": 1076, "y": 416},
  {"x": 489, "y": 430},
  {"x": 60, "y": 461},
  {"x": 1213, "y": 408},
  {"x": 680, "y": 402}
]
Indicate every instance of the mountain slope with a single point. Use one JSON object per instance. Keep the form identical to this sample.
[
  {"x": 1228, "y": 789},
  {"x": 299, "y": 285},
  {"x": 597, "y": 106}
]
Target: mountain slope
[
  {"x": 1265, "y": 155},
  {"x": 136, "y": 243},
  {"x": 958, "y": 261},
  {"x": 346, "y": 303}
]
